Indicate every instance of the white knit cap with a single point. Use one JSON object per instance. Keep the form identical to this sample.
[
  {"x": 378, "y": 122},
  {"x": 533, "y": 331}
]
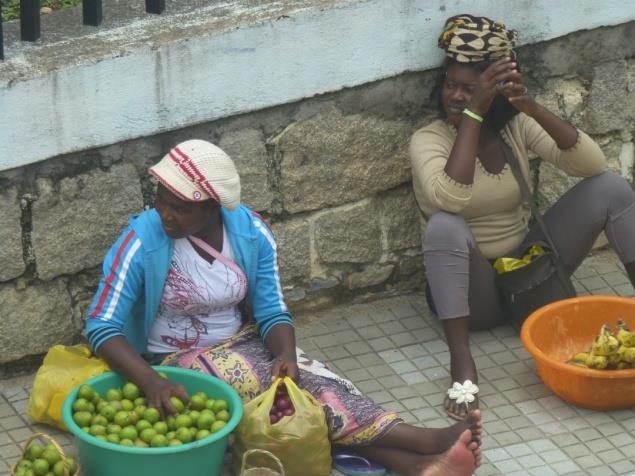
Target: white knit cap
[{"x": 196, "y": 170}]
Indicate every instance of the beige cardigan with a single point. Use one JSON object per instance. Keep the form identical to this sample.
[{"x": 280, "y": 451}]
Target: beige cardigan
[{"x": 492, "y": 205}]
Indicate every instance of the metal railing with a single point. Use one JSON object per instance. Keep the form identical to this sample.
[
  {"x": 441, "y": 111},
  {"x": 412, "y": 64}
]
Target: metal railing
[{"x": 91, "y": 10}]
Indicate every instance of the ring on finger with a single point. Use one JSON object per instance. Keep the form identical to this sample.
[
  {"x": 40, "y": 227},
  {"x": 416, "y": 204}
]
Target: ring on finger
[{"x": 524, "y": 90}]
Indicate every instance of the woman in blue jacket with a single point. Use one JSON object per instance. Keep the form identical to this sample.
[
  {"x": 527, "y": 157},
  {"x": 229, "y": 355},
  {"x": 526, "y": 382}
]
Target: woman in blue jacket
[{"x": 194, "y": 283}]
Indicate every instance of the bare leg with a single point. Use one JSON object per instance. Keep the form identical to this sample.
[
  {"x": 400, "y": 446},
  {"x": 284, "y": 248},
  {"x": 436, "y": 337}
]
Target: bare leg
[
  {"x": 463, "y": 293},
  {"x": 462, "y": 366},
  {"x": 429, "y": 441}
]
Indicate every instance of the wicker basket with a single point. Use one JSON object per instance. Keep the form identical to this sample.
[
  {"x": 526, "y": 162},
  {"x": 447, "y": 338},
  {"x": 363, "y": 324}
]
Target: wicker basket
[
  {"x": 48, "y": 439},
  {"x": 248, "y": 470}
]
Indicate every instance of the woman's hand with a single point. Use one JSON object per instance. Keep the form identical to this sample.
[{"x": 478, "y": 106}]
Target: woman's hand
[
  {"x": 281, "y": 343},
  {"x": 285, "y": 367},
  {"x": 498, "y": 77},
  {"x": 518, "y": 96},
  {"x": 158, "y": 392}
]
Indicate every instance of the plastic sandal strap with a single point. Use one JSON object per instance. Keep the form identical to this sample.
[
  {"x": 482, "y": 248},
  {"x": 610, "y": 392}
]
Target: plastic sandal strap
[{"x": 344, "y": 457}]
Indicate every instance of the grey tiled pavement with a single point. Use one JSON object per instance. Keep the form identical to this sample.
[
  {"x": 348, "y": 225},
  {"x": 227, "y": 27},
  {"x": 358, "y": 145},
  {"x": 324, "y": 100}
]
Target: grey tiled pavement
[{"x": 393, "y": 350}]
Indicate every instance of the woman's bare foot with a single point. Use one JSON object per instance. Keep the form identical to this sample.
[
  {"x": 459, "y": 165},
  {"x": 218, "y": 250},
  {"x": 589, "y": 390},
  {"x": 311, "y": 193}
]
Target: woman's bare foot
[
  {"x": 472, "y": 422},
  {"x": 459, "y": 460}
]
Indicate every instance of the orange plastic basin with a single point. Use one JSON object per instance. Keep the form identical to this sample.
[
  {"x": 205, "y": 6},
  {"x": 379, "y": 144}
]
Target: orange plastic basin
[{"x": 555, "y": 332}]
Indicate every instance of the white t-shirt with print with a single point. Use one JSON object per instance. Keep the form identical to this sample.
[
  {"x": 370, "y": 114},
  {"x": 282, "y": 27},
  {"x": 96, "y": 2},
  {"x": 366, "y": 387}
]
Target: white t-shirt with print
[{"x": 199, "y": 303}]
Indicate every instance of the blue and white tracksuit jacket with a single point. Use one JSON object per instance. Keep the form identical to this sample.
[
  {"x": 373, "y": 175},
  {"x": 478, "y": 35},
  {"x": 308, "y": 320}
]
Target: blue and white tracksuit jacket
[{"x": 136, "y": 266}]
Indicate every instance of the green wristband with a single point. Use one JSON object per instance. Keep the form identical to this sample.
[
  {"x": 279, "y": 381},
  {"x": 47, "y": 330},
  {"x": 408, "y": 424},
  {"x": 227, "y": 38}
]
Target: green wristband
[{"x": 473, "y": 115}]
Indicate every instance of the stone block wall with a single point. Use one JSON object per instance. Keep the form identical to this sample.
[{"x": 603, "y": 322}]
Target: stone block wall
[{"x": 330, "y": 173}]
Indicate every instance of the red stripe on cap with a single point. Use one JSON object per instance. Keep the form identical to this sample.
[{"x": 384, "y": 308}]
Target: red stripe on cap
[
  {"x": 165, "y": 183},
  {"x": 201, "y": 180},
  {"x": 179, "y": 163},
  {"x": 111, "y": 277}
]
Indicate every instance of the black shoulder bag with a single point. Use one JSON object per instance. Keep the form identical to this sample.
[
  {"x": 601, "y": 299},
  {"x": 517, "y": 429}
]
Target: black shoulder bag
[{"x": 544, "y": 280}]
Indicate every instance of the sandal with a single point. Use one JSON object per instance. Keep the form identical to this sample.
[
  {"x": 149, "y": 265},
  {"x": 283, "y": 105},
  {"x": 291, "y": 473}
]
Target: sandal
[
  {"x": 460, "y": 400},
  {"x": 355, "y": 465}
]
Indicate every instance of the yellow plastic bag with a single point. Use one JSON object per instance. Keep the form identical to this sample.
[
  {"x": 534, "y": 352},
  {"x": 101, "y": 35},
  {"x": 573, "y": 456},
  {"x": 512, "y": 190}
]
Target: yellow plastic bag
[
  {"x": 300, "y": 441},
  {"x": 503, "y": 265},
  {"x": 64, "y": 368}
]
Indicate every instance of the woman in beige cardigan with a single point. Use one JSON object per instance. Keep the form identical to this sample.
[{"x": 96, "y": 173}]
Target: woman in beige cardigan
[{"x": 472, "y": 202}]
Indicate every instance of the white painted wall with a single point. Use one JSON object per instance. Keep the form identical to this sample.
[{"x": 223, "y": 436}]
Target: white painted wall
[{"x": 106, "y": 100}]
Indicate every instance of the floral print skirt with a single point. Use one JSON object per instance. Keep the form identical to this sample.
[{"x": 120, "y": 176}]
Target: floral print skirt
[{"x": 245, "y": 363}]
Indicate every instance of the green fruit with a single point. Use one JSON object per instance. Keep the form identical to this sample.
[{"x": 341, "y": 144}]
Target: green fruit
[
  {"x": 147, "y": 434},
  {"x": 161, "y": 427},
  {"x": 140, "y": 410},
  {"x": 127, "y": 405},
  {"x": 197, "y": 403},
  {"x": 209, "y": 404},
  {"x": 58, "y": 468},
  {"x": 107, "y": 411},
  {"x": 128, "y": 433},
  {"x": 178, "y": 404},
  {"x": 171, "y": 421},
  {"x": 141, "y": 444},
  {"x": 152, "y": 415},
  {"x": 170, "y": 435},
  {"x": 113, "y": 438},
  {"x": 201, "y": 394},
  {"x": 87, "y": 392},
  {"x": 220, "y": 405},
  {"x": 126, "y": 442},
  {"x": 97, "y": 430},
  {"x": 40, "y": 467},
  {"x": 122, "y": 418},
  {"x": 51, "y": 454},
  {"x": 99, "y": 420},
  {"x": 194, "y": 415},
  {"x": 174, "y": 442},
  {"x": 158, "y": 441},
  {"x": 184, "y": 434},
  {"x": 217, "y": 425},
  {"x": 34, "y": 451},
  {"x": 205, "y": 421},
  {"x": 223, "y": 415},
  {"x": 143, "y": 425},
  {"x": 183, "y": 421},
  {"x": 200, "y": 434},
  {"x": 140, "y": 401},
  {"x": 114, "y": 394},
  {"x": 72, "y": 465},
  {"x": 80, "y": 405},
  {"x": 113, "y": 428},
  {"x": 130, "y": 391},
  {"x": 133, "y": 417}
]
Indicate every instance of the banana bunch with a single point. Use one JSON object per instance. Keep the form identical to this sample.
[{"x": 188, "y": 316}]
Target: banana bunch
[{"x": 608, "y": 350}]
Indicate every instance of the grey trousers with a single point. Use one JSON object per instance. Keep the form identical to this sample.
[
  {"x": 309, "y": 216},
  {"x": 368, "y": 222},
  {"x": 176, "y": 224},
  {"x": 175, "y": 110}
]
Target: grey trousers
[{"x": 461, "y": 279}]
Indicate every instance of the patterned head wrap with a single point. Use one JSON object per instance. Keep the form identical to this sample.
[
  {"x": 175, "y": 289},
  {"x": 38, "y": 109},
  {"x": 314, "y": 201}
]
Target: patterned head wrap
[{"x": 469, "y": 39}]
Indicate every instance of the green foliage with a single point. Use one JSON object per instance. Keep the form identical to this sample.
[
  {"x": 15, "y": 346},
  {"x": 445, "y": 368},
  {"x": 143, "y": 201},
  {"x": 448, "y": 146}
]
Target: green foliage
[{"x": 11, "y": 8}]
